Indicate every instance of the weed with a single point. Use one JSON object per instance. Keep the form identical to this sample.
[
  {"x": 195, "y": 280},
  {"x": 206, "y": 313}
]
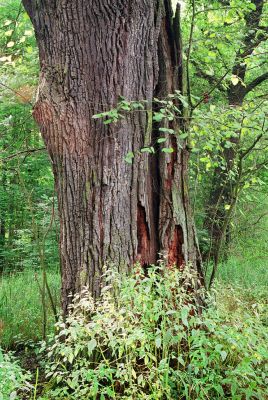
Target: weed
[
  {"x": 146, "y": 337},
  {"x": 13, "y": 379}
]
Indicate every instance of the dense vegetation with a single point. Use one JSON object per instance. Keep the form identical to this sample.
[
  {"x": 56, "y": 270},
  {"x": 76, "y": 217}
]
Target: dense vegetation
[{"x": 149, "y": 335}]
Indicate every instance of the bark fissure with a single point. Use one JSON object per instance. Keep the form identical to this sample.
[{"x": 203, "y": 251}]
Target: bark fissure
[
  {"x": 175, "y": 251},
  {"x": 92, "y": 52},
  {"x": 143, "y": 236}
]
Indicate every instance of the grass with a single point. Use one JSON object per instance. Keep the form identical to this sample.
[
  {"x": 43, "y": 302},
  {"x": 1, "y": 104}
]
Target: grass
[
  {"x": 21, "y": 311},
  {"x": 250, "y": 272}
]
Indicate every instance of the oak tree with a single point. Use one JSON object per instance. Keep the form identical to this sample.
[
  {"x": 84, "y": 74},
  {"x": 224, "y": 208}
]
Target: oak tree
[{"x": 91, "y": 52}]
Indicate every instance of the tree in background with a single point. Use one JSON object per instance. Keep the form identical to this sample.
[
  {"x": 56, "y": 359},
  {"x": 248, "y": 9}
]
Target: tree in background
[
  {"x": 254, "y": 34},
  {"x": 227, "y": 62},
  {"x": 111, "y": 211}
]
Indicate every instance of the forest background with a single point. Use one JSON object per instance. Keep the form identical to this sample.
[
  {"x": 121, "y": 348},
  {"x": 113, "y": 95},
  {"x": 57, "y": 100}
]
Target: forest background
[{"x": 226, "y": 82}]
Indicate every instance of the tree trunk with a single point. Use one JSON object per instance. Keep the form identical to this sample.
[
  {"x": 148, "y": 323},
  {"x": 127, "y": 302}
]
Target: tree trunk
[
  {"x": 222, "y": 188},
  {"x": 222, "y": 191},
  {"x": 92, "y": 52}
]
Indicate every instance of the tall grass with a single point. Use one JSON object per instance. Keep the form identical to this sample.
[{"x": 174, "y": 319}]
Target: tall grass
[
  {"x": 246, "y": 270},
  {"x": 21, "y": 311}
]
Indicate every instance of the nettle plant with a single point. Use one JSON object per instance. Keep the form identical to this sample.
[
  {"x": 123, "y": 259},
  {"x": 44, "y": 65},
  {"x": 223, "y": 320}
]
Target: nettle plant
[
  {"x": 145, "y": 339},
  {"x": 13, "y": 379}
]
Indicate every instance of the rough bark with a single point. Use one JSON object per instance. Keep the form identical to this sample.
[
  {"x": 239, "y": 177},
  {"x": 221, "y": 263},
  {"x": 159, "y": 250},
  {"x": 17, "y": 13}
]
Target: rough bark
[{"x": 92, "y": 52}]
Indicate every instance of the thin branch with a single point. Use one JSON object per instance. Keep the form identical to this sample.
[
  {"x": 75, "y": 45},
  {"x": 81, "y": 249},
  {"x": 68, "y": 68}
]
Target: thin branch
[
  {"x": 253, "y": 84},
  {"x": 250, "y": 41},
  {"x": 19, "y": 153},
  {"x": 189, "y": 55},
  {"x": 258, "y": 220},
  {"x": 17, "y": 93},
  {"x": 212, "y": 80},
  {"x": 250, "y": 148},
  {"x": 212, "y": 89}
]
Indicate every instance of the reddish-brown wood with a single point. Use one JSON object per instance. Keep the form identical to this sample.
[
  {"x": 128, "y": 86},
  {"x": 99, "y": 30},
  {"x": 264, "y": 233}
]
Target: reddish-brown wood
[{"x": 92, "y": 52}]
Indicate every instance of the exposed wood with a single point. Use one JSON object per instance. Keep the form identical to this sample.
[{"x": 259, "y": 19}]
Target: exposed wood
[{"x": 113, "y": 213}]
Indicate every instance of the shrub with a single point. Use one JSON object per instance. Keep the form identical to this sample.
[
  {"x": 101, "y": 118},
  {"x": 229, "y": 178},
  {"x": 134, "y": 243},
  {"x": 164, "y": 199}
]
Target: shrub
[
  {"x": 145, "y": 339},
  {"x": 13, "y": 379}
]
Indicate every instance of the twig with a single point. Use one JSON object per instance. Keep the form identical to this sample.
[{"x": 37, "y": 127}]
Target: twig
[{"x": 19, "y": 153}]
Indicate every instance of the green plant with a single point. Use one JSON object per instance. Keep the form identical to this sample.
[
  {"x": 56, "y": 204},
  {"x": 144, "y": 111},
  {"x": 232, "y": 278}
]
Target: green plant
[
  {"x": 21, "y": 315},
  {"x": 145, "y": 337},
  {"x": 13, "y": 379}
]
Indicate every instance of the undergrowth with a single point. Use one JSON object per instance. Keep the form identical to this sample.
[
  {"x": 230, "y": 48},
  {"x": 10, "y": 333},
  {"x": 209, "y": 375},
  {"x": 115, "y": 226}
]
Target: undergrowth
[
  {"x": 13, "y": 379},
  {"x": 145, "y": 339},
  {"x": 21, "y": 310}
]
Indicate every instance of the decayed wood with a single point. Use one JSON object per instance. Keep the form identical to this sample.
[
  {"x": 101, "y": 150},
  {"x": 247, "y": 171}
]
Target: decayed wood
[{"x": 92, "y": 52}]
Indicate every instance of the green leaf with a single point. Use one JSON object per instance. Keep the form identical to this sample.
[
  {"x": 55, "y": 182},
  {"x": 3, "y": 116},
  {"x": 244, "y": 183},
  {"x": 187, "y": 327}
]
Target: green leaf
[
  {"x": 158, "y": 342},
  {"x": 181, "y": 360},
  {"x": 10, "y": 44},
  {"x": 109, "y": 121},
  {"x": 184, "y": 316},
  {"x": 158, "y": 117},
  {"x": 234, "y": 80},
  {"x": 28, "y": 32},
  {"x": 167, "y": 150},
  {"x": 167, "y": 130},
  {"x": 137, "y": 105},
  {"x": 223, "y": 355},
  {"x": 101, "y": 115},
  {"x": 228, "y": 144},
  {"x": 91, "y": 346},
  {"x": 71, "y": 358},
  {"x": 147, "y": 150},
  {"x": 161, "y": 140},
  {"x": 129, "y": 157},
  {"x": 9, "y": 33}
]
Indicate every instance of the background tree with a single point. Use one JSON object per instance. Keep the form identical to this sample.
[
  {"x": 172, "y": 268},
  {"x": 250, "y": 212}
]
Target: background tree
[{"x": 228, "y": 61}]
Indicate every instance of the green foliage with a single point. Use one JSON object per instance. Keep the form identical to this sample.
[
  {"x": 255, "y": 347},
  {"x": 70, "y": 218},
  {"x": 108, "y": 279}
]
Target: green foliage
[
  {"x": 214, "y": 129},
  {"x": 21, "y": 312},
  {"x": 164, "y": 112},
  {"x": 225, "y": 51},
  {"x": 146, "y": 337},
  {"x": 18, "y": 54},
  {"x": 26, "y": 181},
  {"x": 13, "y": 379},
  {"x": 219, "y": 32}
]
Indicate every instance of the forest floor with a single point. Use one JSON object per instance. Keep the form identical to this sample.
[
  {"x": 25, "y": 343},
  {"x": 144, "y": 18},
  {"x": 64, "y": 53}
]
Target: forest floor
[
  {"x": 239, "y": 280},
  {"x": 240, "y": 294}
]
